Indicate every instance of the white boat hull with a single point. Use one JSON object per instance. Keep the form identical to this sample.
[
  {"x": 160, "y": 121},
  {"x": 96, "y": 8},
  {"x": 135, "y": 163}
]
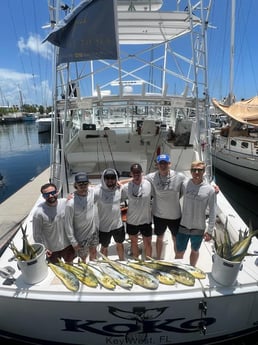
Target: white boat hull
[
  {"x": 175, "y": 314},
  {"x": 240, "y": 165},
  {"x": 157, "y": 322},
  {"x": 44, "y": 125}
]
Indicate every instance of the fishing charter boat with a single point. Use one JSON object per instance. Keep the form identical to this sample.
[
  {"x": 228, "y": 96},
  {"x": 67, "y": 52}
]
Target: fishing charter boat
[{"x": 126, "y": 58}]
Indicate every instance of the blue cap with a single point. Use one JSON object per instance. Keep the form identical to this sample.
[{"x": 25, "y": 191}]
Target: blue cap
[{"x": 163, "y": 158}]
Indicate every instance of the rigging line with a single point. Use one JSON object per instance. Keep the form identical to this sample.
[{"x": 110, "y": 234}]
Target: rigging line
[
  {"x": 110, "y": 150},
  {"x": 103, "y": 151},
  {"x": 29, "y": 51},
  {"x": 244, "y": 23},
  {"x": 17, "y": 40},
  {"x": 37, "y": 43}
]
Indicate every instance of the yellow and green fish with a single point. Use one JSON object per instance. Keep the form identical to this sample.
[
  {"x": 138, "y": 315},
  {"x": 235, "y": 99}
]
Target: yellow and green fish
[{"x": 66, "y": 277}]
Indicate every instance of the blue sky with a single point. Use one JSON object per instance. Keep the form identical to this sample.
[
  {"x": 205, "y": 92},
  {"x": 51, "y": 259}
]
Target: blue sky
[{"x": 25, "y": 63}]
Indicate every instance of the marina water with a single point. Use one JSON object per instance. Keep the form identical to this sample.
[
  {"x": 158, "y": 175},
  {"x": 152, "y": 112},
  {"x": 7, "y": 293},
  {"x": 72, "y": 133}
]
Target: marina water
[{"x": 24, "y": 154}]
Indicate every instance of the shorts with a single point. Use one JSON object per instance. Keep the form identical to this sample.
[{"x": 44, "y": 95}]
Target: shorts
[
  {"x": 92, "y": 241},
  {"x": 68, "y": 254},
  {"x": 144, "y": 229},
  {"x": 182, "y": 241},
  {"x": 161, "y": 224},
  {"x": 118, "y": 235}
]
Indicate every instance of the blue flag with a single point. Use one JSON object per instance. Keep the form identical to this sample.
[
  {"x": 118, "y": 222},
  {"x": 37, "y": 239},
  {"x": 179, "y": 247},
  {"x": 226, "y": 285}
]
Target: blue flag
[{"x": 89, "y": 32}]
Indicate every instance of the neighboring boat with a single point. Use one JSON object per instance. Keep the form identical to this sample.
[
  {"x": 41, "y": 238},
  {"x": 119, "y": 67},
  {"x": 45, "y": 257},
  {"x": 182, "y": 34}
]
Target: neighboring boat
[
  {"x": 29, "y": 117},
  {"x": 44, "y": 124},
  {"x": 148, "y": 120},
  {"x": 235, "y": 145},
  {"x": 12, "y": 118}
]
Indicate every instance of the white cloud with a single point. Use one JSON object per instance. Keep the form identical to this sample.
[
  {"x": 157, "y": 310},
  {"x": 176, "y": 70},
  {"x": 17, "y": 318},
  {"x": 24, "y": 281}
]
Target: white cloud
[
  {"x": 34, "y": 88},
  {"x": 34, "y": 44},
  {"x": 14, "y": 84},
  {"x": 10, "y": 75}
]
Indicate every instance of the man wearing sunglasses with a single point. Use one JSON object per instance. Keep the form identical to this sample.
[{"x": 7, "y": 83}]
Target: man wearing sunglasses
[
  {"x": 48, "y": 225},
  {"x": 199, "y": 197},
  {"x": 80, "y": 221},
  {"x": 108, "y": 198}
]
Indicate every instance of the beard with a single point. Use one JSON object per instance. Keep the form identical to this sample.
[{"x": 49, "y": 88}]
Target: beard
[{"x": 52, "y": 200}]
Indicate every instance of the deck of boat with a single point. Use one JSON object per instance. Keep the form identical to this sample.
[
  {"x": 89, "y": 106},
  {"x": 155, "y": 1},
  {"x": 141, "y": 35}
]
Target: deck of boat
[{"x": 51, "y": 287}]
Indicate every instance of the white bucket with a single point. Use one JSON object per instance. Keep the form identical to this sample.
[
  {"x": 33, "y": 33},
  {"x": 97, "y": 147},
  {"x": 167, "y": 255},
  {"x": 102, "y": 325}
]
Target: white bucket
[
  {"x": 34, "y": 270},
  {"x": 225, "y": 272}
]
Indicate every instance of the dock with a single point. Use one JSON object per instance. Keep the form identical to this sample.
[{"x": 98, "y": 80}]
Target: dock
[{"x": 16, "y": 208}]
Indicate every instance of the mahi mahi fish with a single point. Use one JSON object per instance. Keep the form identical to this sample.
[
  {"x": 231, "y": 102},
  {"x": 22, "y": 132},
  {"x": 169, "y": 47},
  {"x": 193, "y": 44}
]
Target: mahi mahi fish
[
  {"x": 66, "y": 277},
  {"x": 84, "y": 276},
  {"x": 143, "y": 279},
  {"x": 120, "y": 279},
  {"x": 105, "y": 280},
  {"x": 165, "y": 278},
  {"x": 180, "y": 274},
  {"x": 240, "y": 248},
  {"x": 194, "y": 271}
]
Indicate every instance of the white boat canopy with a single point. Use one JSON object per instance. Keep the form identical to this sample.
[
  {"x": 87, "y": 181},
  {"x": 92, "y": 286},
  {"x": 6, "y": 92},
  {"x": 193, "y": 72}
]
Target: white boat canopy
[
  {"x": 157, "y": 27},
  {"x": 139, "y": 5},
  {"x": 245, "y": 111}
]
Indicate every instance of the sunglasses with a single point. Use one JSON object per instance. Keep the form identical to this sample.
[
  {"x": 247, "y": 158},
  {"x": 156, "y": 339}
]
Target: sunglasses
[
  {"x": 47, "y": 195},
  {"x": 197, "y": 170},
  {"x": 82, "y": 183}
]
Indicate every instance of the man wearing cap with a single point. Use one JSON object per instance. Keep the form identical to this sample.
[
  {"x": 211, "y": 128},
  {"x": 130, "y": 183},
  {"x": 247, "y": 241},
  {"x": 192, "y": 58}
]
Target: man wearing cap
[
  {"x": 108, "y": 198},
  {"x": 167, "y": 191},
  {"x": 139, "y": 218},
  {"x": 80, "y": 224}
]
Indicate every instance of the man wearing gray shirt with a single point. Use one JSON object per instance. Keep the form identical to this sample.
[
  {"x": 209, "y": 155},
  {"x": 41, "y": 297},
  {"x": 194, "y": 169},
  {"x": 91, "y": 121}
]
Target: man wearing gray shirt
[
  {"x": 80, "y": 224},
  {"x": 199, "y": 196},
  {"x": 108, "y": 197},
  {"x": 48, "y": 225},
  {"x": 167, "y": 191},
  {"x": 139, "y": 217}
]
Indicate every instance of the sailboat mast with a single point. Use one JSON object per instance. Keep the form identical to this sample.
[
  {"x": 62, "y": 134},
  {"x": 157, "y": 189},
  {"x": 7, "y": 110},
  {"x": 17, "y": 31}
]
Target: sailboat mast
[{"x": 232, "y": 51}]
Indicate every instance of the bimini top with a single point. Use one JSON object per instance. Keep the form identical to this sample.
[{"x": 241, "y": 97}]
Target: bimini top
[
  {"x": 152, "y": 27},
  {"x": 243, "y": 111}
]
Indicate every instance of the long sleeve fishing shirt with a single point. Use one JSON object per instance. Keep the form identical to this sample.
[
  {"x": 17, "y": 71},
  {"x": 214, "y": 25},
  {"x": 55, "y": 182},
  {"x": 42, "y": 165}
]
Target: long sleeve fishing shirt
[
  {"x": 48, "y": 226},
  {"x": 80, "y": 217},
  {"x": 139, "y": 202},
  {"x": 198, "y": 198},
  {"x": 108, "y": 204},
  {"x": 167, "y": 191}
]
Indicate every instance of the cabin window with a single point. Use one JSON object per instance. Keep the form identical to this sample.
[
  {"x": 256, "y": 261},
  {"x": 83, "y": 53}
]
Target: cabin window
[
  {"x": 244, "y": 145},
  {"x": 89, "y": 126},
  {"x": 233, "y": 143}
]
